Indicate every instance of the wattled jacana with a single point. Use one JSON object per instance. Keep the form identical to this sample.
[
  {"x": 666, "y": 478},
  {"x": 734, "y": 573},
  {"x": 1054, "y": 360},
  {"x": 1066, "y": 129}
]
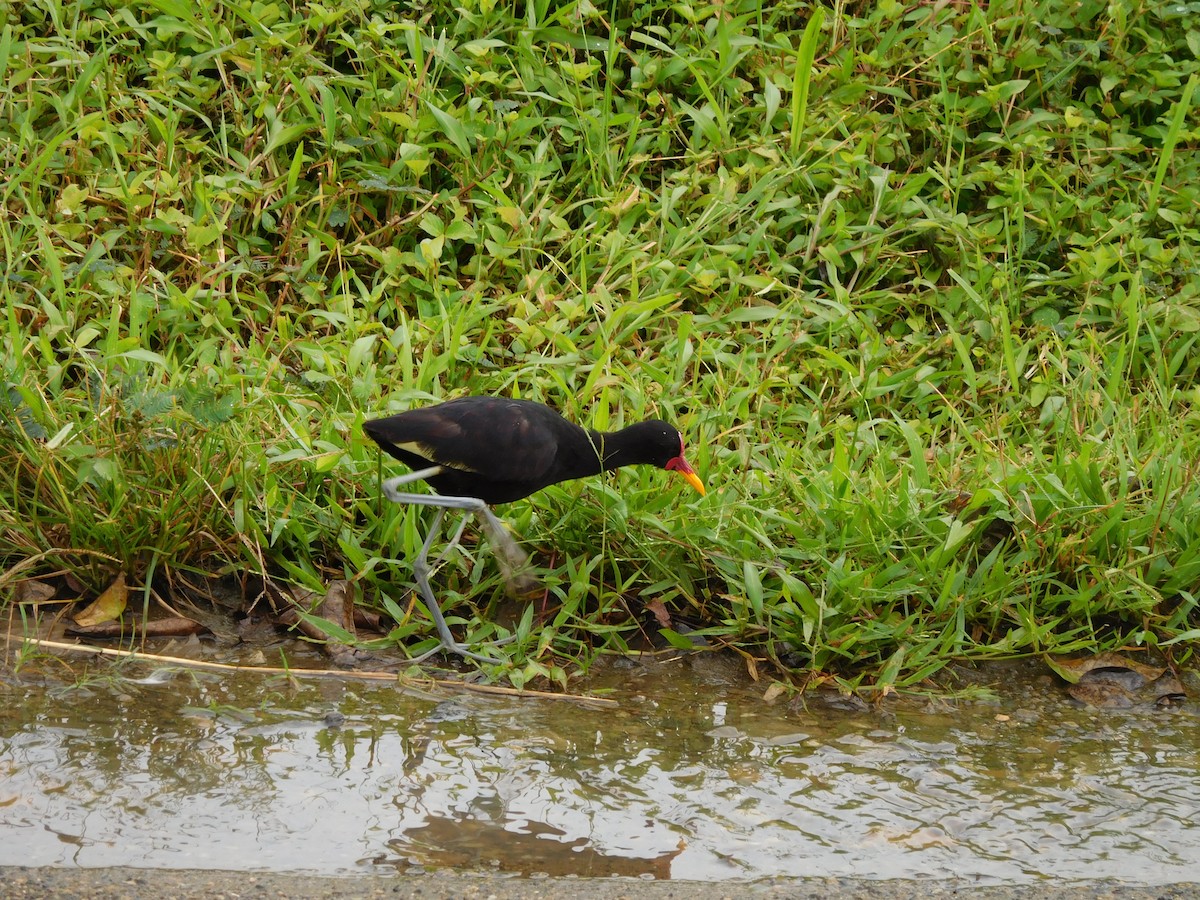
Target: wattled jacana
[{"x": 476, "y": 451}]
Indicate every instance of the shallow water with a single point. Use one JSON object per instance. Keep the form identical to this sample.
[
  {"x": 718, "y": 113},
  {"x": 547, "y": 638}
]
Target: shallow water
[{"x": 692, "y": 777}]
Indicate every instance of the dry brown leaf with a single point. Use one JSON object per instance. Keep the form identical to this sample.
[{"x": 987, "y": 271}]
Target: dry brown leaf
[
  {"x": 337, "y": 606},
  {"x": 171, "y": 626},
  {"x": 32, "y": 591},
  {"x": 659, "y": 610},
  {"x": 774, "y": 692},
  {"x": 1111, "y": 681},
  {"x": 1102, "y": 694},
  {"x": 1072, "y": 670}
]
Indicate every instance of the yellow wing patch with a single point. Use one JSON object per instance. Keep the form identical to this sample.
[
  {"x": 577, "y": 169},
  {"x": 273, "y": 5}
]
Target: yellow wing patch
[{"x": 425, "y": 451}]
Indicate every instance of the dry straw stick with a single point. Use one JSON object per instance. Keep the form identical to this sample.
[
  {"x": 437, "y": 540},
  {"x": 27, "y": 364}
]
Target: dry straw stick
[{"x": 405, "y": 682}]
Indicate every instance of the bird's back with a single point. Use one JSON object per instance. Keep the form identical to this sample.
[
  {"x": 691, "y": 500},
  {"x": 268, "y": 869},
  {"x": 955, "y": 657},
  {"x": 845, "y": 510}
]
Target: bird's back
[{"x": 491, "y": 448}]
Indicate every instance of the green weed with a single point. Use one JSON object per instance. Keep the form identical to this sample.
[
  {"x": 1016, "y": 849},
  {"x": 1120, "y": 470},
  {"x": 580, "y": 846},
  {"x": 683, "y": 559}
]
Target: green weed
[{"x": 918, "y": 283}]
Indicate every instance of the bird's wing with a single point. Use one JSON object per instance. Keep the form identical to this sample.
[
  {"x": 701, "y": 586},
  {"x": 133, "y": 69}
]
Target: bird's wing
[
  {"x": 508, "y": 441},
  {"x": 501, "y": 440}
]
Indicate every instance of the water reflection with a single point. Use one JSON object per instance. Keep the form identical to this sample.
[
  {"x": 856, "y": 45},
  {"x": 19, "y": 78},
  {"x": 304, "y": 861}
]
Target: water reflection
[{"x": 694, "y": 778}]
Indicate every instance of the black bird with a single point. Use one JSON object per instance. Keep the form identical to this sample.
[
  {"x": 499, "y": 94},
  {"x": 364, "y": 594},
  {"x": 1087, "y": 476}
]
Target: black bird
[{"x": 476, "y": 451}]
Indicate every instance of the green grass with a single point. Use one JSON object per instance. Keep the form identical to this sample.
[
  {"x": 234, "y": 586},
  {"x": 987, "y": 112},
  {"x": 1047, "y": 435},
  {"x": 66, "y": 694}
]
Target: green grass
[{"x": 919, "y": 284}]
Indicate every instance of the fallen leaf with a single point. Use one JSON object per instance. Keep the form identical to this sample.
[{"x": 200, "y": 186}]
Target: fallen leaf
[
  {"x": 108, "y": 606},
  {"x": 1072, "y": 670},
  {"x": 32, "y": 591},
  {"x": 774, "y": 692},
  {"x": 337, "y": 606},
  {"x": 1102, "y": 694},
  {"x": 1169, "y": 691},
  {"x": 659, "y": 609},
  {"x": 172, "y": 626},
  {"x": 1110, "y": 681}
]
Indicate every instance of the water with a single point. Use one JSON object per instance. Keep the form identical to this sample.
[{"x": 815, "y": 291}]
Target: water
[{"x": 692, "y": 777}]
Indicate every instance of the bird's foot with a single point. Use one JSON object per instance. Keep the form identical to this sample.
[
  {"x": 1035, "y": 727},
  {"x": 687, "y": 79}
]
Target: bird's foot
[{"x": 463, "y": 650}]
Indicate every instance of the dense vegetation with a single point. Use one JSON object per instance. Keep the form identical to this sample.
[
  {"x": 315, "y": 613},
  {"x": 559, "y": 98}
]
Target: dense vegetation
[{"x": 922, "y": 292}]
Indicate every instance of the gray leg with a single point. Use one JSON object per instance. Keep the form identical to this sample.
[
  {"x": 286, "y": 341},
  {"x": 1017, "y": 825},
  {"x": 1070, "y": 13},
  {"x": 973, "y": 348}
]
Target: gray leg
[{"x": 510, "y": 556}]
